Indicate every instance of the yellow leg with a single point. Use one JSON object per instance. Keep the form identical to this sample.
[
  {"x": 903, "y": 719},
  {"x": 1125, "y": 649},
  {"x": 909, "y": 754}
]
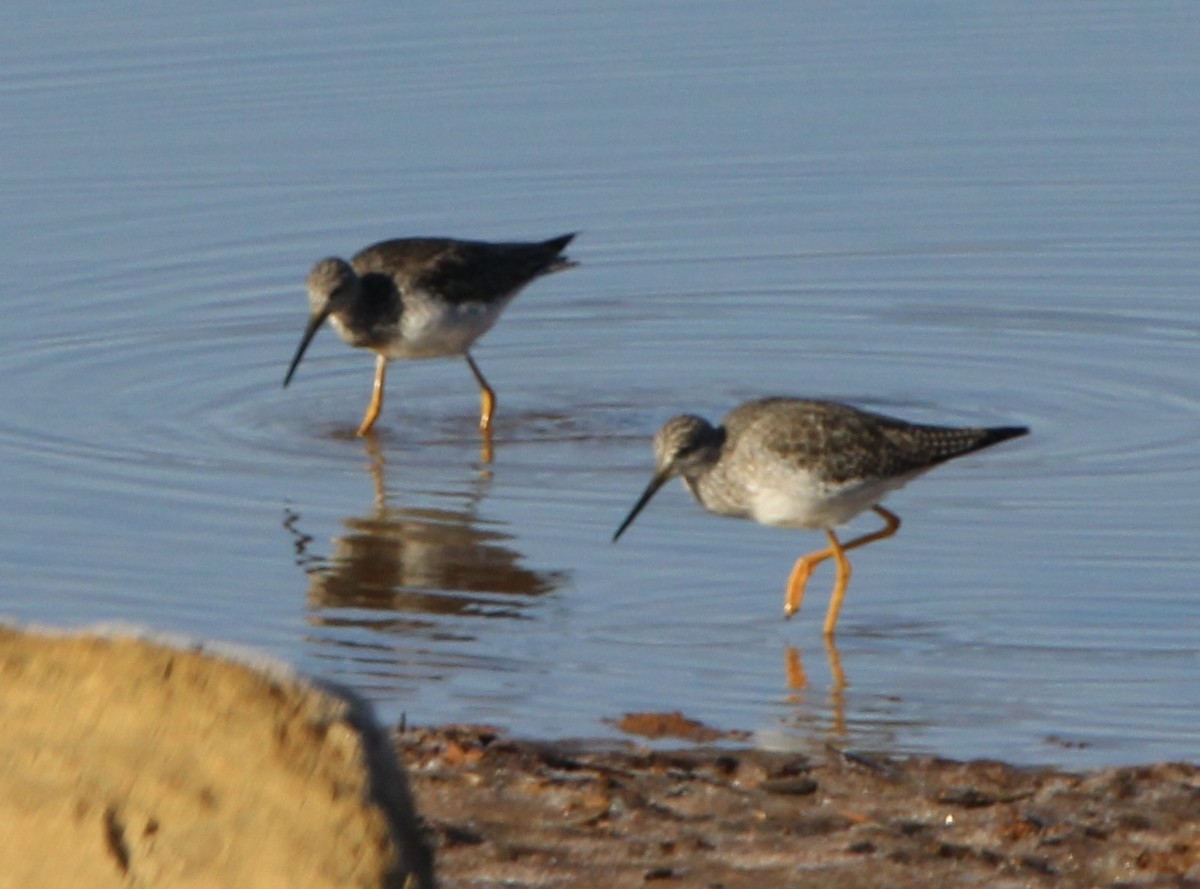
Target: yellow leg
[
  {"x": 836, "y": 550},
  {"x": 373, "y": 408},
  {"x": 487, "y": 398},
  {"x": 840, "y": 582},
  {"x": 798, "y": 579},
  {"x": 891, "y": 526}
]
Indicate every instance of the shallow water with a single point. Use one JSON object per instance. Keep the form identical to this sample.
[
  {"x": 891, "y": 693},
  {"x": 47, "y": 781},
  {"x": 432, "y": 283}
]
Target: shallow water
[{"x": 978, "y": 214}]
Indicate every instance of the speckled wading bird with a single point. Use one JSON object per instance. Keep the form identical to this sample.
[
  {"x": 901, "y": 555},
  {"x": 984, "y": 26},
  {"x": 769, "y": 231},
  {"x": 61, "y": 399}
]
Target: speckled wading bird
[
  {"x": 805, "y": 464},
  {"x": 423, "y": 298}
]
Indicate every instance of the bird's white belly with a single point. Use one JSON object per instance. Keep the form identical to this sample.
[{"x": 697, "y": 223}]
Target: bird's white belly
[
  {"x": 807, "y": 502},
  {"x": 433, "y": 329}
]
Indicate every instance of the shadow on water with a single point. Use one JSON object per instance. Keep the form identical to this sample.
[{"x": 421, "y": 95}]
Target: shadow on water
[{"x": 398, "y": 569}]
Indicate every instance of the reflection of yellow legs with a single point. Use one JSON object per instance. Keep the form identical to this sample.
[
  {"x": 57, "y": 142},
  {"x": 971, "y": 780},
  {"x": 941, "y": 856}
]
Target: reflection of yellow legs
[
  {"x": 837, "y": 689},
  {"x": 375, "y": 455},
  {"x": 797, "y": 680},
  {"x": 372, "y": 413},
  {"x": 837, "y": 551}
]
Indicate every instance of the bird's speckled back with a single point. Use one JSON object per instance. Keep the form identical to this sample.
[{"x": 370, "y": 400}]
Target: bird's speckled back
[{"x": 846, "y": 443}]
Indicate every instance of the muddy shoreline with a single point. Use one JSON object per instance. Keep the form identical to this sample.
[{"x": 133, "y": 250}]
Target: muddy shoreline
[{"x": 516, "y": 813}]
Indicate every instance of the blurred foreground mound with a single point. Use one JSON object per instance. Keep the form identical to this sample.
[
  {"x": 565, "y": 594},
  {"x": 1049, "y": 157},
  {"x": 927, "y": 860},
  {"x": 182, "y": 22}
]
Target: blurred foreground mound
[{"x": 126, "y": 762}]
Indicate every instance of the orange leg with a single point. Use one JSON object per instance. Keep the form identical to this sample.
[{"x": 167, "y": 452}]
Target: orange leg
[
  {"x": 798, "y": 579},
  {"x": 373, "y": 408},
  {"x": 487, "y": 398},
  {"x": 837, "y": 551},
  {"x": 841, "y": 580}
]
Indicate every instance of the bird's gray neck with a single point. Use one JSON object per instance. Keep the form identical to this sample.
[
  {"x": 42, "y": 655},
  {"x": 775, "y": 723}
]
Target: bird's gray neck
[
  {"x": 710, "y": 481},
  {"x": 718, "y": 493}
]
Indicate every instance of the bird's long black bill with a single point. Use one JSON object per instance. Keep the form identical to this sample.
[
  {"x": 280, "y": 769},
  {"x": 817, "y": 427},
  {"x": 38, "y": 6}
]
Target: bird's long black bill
[
  {"x": 314, "y": 324},
  {"x": 660, "y": 479}
]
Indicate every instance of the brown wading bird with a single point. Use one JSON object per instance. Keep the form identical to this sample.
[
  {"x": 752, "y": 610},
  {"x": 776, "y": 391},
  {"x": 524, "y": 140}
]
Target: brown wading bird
[
  {"x": 423, "y": 298},
  {"x": 805, "y": 464}
]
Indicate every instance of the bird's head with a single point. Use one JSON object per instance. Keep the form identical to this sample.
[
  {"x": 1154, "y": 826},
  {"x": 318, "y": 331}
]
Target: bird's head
[
  {"x": 332, "y": 287},
  {"x": 686, "y": 445}
]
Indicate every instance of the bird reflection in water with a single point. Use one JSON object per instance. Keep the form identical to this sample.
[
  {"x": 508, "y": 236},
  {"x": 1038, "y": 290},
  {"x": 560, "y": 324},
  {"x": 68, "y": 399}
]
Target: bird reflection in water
[
  {"x": 797, "y": 681},
  {"x": 399, "y": 562}
]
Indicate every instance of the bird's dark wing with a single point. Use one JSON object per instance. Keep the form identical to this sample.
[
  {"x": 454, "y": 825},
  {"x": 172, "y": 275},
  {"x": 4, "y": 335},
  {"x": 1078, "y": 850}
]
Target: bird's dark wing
[{"x": 462, "y": 271}]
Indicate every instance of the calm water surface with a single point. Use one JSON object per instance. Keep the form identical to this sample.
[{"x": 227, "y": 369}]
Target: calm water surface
[{"x": 974, "y": 213}]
